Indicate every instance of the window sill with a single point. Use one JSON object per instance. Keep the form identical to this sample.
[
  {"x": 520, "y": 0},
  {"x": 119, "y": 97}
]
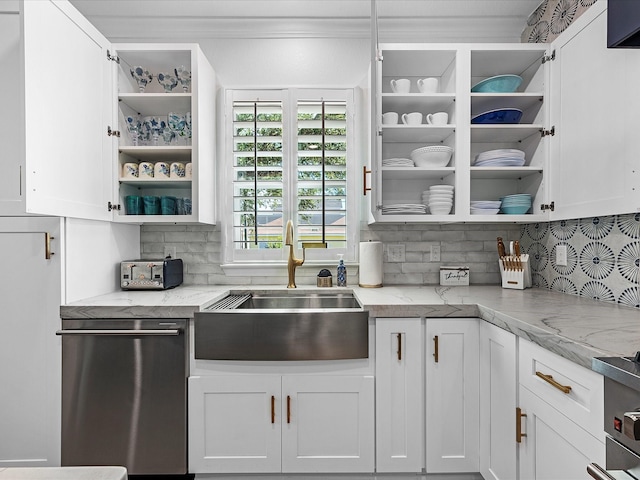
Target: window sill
[{"x": 280, "y": 269}]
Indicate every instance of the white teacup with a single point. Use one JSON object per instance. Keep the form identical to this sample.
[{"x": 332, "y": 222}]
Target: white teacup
[
  {"x": 146, "y": 170},
  {"x": 440, "y": 118},
  {"x": 414, "y": 118},
  {"x": 401, "y": 85},
  {"x": 130, "y": 170},
  {"x": 390, "y": 118},
  {"x": 161, "y": 171},
  {"x": 428, "y": 85}
]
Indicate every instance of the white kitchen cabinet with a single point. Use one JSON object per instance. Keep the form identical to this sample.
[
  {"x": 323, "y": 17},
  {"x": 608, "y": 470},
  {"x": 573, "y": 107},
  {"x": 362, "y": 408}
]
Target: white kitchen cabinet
[
  {"x": 594, "y": 107},
  {"x": 563, "y": 407},
  {"x": 580, "y": 146},
  {"x": 30, "y": 364},
  {"x": 554, "y": 447},
  {"x": 399, "y": 395},
  {"x": 64, "y": 156},
  {"x": 458, "y": 67},
  {"x": 271, "y": 423},
  {"x": 452, "y": 393},
  {"x": 498, "y": 390}
]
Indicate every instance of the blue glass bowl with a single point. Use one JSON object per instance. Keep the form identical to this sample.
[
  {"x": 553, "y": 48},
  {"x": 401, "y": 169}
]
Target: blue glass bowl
[
  {"x": 499, "y": 116},
  {"x": 515, "y": 209},
  {"x": 498, "y": 84}
]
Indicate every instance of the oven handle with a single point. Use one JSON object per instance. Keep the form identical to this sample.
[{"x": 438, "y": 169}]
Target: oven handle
[
  {"x": 597, "y": 472},
  {"x": 133, "y": 333}
]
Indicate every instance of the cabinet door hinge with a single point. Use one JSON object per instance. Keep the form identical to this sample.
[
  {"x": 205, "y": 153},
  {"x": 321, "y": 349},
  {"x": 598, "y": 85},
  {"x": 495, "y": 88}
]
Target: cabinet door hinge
[
  {"x": 551, "y": 206},
  {"x": 113, "y": 58},
  {"x": 548, "y": 58},
  {"x": 552, "y": 132},
  {"x": 112, "y": 206},
  {"x": 115, "y": 133},
  {"x": 379, "y": 56}
]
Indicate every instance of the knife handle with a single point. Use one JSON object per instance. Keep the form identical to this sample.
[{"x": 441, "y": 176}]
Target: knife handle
[
  {"x": 516, "y": 248},
  {"x": 501, "y": 250}
]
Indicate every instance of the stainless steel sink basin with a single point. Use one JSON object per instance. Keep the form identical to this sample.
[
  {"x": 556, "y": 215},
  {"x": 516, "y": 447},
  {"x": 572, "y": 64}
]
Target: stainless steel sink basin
[
  {"x": 283, "y": 301},
  {"x": 283, "y": 326}
]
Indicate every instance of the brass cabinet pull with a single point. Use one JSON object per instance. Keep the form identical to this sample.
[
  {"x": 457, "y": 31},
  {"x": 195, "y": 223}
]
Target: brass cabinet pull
[
  {"x": 519, "y": 433},
  {"x": 273, "y": 409},
  {"x": 364, "y": 180},
  {"x": 47, "y": 246},
  {"x": 549, "y": 379},
  {"x": 288, "y": 409},
  {"x": 399, "y": 346},
  {"x": 435, "y": 348}
]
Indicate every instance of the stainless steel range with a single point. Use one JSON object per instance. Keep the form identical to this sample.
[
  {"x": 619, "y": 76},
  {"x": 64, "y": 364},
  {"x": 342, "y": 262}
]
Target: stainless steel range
[{"x": 621, "y": 418}]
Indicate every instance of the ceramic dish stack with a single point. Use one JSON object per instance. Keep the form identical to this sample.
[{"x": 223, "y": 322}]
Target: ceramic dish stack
[
  {"x": 515, "y": 204},
  {"x": 440, "y": 199},
  {"x": 397, "y": 162},
  {"x": 485, "y": 207},
  {"x": 432, "y": 156},
  {"x": 404, "y": 209},
  {"x": 502, "y": 157}
]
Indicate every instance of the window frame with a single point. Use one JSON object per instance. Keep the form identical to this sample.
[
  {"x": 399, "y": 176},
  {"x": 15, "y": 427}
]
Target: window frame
[{"x": 289, "y": 98}]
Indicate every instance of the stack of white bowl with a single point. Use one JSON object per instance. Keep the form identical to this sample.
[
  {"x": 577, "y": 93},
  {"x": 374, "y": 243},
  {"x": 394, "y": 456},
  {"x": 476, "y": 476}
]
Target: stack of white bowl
[
  {"x": 439, "y": 199},
  {"x": 432, "y": 156}
]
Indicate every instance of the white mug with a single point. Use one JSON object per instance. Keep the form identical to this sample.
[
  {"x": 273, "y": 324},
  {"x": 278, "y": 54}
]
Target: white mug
[
  {"x": 440, "y": 118},
  {"x": 188, "y": 170},
  {"x": 146, "y": 170},
  {"x": 414, "y": 118},
  {"x": 428, "y": 85},
  {"x": 177, "y": 170},
  {"x": 401, "y": 85},
  {"x": 390, "y": 118},
  {"x": 130, "y": 170}
]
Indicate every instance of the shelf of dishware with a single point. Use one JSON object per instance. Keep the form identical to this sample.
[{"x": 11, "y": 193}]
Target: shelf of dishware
[
  {"x": 391, "y": 173},
  {"x": 406, "y": 102},
  {"x": 178, "y": 153},
  {"x": 155, "y": 103},
  {"x": 417, "y": 133}
]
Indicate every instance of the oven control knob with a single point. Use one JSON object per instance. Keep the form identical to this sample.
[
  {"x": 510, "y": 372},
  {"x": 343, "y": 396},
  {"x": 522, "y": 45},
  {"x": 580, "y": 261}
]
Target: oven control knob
[
  {"x": 125, "y": 283},
  {"x": 631, "y": 426}
]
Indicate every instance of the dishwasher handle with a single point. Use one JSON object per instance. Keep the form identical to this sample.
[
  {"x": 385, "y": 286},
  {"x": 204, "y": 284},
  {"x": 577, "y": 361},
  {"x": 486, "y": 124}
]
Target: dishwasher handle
[
  {"x": 126, "y": 332},
  {"x": 598, "y": 473}
]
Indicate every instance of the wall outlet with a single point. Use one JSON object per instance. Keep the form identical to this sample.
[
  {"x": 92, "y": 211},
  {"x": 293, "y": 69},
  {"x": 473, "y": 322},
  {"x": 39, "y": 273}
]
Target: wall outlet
[
  {"x": 170, "y": 252},
  {"x": 561, "y": 255},
  {"x": 435, "y": 253},
  {"x": 395, "y": 253}
]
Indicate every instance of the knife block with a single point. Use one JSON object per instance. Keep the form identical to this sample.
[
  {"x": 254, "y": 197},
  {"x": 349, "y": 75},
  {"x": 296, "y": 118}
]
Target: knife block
[{"x": 515, "y": 271}]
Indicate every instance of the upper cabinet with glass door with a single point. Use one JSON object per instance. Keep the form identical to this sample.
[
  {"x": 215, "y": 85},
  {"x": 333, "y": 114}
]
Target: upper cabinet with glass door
[{"x": 165, "y": 165}]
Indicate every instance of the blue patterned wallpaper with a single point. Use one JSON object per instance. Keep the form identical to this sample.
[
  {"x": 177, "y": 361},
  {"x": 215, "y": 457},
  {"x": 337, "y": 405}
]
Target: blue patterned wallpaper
[
  {"x": 603, "y": 257},
  {"x": 551, "y": 18}
]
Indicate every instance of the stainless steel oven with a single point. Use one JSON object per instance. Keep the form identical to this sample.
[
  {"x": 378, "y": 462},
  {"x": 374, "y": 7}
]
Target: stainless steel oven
[{"x": 621, "y": 418}]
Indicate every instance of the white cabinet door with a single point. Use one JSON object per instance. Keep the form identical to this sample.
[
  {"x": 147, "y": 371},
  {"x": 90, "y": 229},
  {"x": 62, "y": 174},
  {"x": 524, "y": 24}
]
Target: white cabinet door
[
  {"x": 399, "y": 395},
  {"x": 30, "y": 369},
  {"x": 595, "y": 106},
  {"x": 452, "y": 426},
  {"x": 498, "y": 388},
  {"x": 234, "y": 424},
  {"x": 328, "y": 424},
  {"x": 68, "y": 105},
  {"x": 554, "y": 447}
]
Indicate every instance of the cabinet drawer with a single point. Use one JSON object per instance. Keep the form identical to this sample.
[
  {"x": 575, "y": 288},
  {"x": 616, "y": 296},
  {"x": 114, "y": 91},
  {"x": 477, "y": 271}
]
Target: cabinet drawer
[{"x": 583, "y": 403}]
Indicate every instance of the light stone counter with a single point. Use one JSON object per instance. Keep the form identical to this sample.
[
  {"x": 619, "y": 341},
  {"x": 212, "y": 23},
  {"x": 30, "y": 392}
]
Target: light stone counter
[
  {"x": 63, "y": 473},
  {"x": 573, "y": 327}
]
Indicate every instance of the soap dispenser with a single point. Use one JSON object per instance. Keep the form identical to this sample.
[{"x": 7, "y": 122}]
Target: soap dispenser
[{"x": 342, "y": 272}]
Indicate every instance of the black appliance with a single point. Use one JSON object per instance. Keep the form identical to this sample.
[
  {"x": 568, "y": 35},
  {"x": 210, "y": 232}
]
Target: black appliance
[
  {"x": 623, "y": 24},
  {"x": 621, "y": 418},
  {"x": 151, "y": 274}
]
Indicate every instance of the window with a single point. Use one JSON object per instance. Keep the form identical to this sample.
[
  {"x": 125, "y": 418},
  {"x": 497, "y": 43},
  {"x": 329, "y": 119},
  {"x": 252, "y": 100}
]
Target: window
[{"x": 291, "y": 157}]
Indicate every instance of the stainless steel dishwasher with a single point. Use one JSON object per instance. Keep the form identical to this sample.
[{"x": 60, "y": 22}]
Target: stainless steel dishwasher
[{"x": 124, "y": 394}]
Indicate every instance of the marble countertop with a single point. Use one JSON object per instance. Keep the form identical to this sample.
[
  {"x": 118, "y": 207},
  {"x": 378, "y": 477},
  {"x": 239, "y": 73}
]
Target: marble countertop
[{"x": 573, "y": 327}]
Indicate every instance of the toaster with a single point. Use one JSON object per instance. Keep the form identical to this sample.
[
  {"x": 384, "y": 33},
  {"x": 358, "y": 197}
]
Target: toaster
[{"x": 150, "y": 274}]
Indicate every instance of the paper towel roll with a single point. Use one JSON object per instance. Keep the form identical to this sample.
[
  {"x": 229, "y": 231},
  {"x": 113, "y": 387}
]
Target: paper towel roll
[{"x": 370, "y": 264}]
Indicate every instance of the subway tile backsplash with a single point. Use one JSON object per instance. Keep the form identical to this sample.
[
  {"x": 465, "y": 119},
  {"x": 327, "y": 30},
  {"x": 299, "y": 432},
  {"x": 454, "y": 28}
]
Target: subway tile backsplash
[{"x": 603, "y": 254}]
